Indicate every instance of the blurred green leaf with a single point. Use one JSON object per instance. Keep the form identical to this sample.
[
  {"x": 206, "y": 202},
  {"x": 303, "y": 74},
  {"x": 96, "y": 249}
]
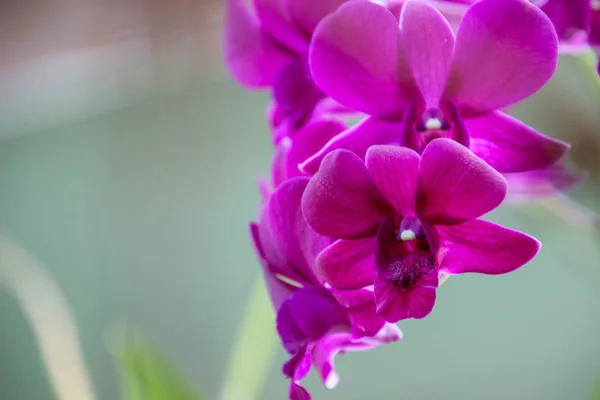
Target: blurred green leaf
[{"x": 147, "y": 374}]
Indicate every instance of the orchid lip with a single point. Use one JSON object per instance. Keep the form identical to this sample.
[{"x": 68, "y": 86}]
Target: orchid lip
[{"x": 404, "y": 253}]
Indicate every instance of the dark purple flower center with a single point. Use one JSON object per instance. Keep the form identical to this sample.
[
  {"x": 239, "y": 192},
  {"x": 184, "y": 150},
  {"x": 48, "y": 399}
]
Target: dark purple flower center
[
  {"x": 403, "y": 252},
  {"x": 433, "y": 125},
  {"x": 295, "y": 92},
  {"x": 422, "y": 125}
]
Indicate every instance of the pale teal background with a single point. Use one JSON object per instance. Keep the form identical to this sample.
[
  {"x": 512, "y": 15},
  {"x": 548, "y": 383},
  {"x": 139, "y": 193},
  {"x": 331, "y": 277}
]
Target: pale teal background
[{"x": 141, "y": 214}]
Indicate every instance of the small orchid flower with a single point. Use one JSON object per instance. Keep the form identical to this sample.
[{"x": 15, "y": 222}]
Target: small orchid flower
[
  {"x": 266, "y": 45},
  {"x": 404, "y": 220},
  {"x": 314, "y": 323},
  {"x": 419, "y": 82}
]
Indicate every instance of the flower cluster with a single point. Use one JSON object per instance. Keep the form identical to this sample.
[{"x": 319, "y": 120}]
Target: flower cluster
[{"x": 391, "y": 142}]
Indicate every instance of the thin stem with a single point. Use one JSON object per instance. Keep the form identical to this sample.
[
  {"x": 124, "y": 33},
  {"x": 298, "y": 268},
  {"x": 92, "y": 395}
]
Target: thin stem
[
  {"x": 51, "y": 319},
  {"x": 254, "y": 349}
]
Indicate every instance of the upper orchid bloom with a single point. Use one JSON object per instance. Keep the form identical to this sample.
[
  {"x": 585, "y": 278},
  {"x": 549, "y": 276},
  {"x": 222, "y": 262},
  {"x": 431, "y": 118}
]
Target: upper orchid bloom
[
  {"x": 266, "y": 45},
  {"x": 403, "y": 220},
  {"x": 418, "y": 82},
  {"x": 314, "y": 323}
]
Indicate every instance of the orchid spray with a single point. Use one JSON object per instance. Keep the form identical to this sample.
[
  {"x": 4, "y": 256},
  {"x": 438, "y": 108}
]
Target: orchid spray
[{"x": 361, "y": 222}]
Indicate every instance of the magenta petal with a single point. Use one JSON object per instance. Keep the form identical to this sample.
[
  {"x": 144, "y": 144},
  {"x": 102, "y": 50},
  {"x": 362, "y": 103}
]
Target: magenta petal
[
  {"x": 360, "y": 305},
  {"x": 544, "y": 182},
  {"x": 342, "y": 201},
  {"x": 509, "y": 145},
  {"x": 291, "y": 151},
  {"x": 298, "y": 366},
  {"x": 297, "y": 392},
  {"x": 252, "y": 57},
  {"x": 324, "y": 354},
  {"x": 395, "y": 303},
  {"x": 276, "y": 20},
  {"x": 348, "y": 264},
  {"x": 357, "y": 139},
  {"x": 394, "y": 169},
  {"x": 428, "y": 43},
  {"x": 292, "y": 337},
  {"x": 308, "y": 14},
  {"x": 364, "y": 320},
  {"x": 483, "y": 247},
  {"x": 335, "y": 343},
  {"x": 455, "y": 185},
  {"x": 317, "y": 313},
  {"x": 278, "y": 290},
  {"x": 505, "y": 51},
  {"x": 354, "y": 58},
  {"x": 289, "y": 243}
]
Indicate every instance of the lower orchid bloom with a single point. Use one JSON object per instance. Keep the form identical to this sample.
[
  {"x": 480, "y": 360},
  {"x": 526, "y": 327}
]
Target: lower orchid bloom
[
  {"x": 418, "y": 81},
  {"x": 405, "y": 220},
  {"x": 315, "y": 323}
]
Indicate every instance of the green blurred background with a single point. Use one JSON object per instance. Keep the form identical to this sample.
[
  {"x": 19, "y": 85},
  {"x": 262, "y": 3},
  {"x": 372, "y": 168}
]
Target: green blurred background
[{"x": 140, "y": 214}]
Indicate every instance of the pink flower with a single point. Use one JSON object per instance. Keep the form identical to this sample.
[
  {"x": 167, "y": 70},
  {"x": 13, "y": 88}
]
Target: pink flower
[
  {"x": 418, "y": 82},
  {"x": 314, "y": 323},
  {"x": 266, "y": 46},
  {"x": 403, "y": 220}
]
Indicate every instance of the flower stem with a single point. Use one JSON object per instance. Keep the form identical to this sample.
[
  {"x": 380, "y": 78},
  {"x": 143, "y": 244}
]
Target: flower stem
[
  {"x": 254, "y": 349},
  {"x": 51, "y": 319}
]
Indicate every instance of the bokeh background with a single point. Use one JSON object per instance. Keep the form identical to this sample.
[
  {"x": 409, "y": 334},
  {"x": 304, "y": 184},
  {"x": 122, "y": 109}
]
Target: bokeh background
[{"x": 128, "y": 167}]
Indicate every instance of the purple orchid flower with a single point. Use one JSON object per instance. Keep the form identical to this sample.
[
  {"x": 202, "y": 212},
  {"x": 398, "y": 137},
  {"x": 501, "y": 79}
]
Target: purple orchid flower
[
  {"x": 418, "y": 82},
  {"x": 403, "y": 220},
  {"x": 267, "y": 45},
  {"x": 314, "y": 323}
]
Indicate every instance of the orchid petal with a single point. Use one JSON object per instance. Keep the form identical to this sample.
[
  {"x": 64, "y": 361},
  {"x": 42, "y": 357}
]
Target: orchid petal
[
  {"x": 348, "y": 264},
  {"x": 395, "y": 303},
  {"x": 455, "y": 185},
  {"x": 568, "y": 16},
  {"x": 505, "y": 51},
  {"x": 544, "y": 182},
  {"x": 297, "y": 392},
  {"x": 292, "y": 337},
  {"x": 308, "y": 14},
  {"x": 252, "y": 57},
  {"x": 316, "y": 313},
  {"x": 509, "y": 145},
  {"x": 483, "y": 247},
  {"x": 342, "y": 201},
  {"x": 360, "y": 305},
  {"x": 394, "y": 169},
  {"x": 354, "y": 59},
  {"x": 275, "y": 19},
  {"x": 291, "y": 151},
  {"x": 358, "y": 139},
  {"x": 279, "y": 291},
  {"x": 428, "y": 42},
  {"x": 298, "y": 366},
  {"x": 288, "y": 241}
]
